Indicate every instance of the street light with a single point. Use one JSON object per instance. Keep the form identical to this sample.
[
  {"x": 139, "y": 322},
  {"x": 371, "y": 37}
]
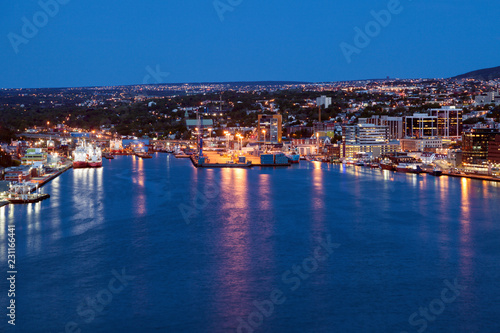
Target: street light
[
  {"x": 240, "y": 137},
  {"x": 227, "y": 139},
  {"x": 264, "y": 131}
]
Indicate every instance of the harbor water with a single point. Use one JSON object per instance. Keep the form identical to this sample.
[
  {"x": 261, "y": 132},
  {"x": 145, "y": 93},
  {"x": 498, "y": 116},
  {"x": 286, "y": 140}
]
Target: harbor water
[{"x": 160, "y": 246}]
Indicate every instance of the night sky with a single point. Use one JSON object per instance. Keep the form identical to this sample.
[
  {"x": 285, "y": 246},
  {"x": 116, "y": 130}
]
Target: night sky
[{"x": 93, "y": 43}]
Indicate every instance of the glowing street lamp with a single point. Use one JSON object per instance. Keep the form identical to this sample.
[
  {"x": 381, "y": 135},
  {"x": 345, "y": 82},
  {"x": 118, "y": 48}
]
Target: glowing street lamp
[
  {"x": 227, "y": 139},
  {"x": 240, "y": 137},
  {"x": 264, "y": 131}
]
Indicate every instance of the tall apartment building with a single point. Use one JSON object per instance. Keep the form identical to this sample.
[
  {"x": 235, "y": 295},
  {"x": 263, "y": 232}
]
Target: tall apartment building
[
  {"x": 395, "y": 125},
  {"x": 421, "y": 125},
  {"x": 449, "y": 121}
]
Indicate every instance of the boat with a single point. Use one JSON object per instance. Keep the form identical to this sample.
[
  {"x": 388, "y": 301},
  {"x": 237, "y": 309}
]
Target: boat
[
  {"x": 80, "y": 156},
  {"x": 21, "y": 194},
  {"x": 108, "y": 156},
  {"x": 143, "y": 155},
  {"x": 293, "y": 158},
  {"x": 387, "y": 165},
  {"x": 142, "y": 152},
  {"x": 94, "y": 156},
  {"x": 27, "y": 198},
  {"x": 436, "y": 172},
  {"x": 409, "y": 168},
  {"x": 374, "y": 165},
  {"x": 116, "y": 147}
]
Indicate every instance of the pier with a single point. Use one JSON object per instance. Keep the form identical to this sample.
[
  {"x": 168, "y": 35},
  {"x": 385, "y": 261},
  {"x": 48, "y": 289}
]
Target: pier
[
  {"x": 36, "y": 183},
  {"x": 220, "y": 160}
]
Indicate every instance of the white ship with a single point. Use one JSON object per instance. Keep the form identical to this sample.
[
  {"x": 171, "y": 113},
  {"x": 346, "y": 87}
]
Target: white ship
[
  {"x": 94, "y": 154},
  {"x": 80, "y": 156}
]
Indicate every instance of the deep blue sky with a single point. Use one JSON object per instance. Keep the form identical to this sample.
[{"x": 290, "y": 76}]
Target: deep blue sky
[{"x": 96, "y": 42}]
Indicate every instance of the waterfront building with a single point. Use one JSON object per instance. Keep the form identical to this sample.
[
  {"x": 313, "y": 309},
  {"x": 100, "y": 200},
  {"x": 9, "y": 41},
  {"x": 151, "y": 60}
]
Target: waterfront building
[
  {"x": 475, "y": 144},
  {"x": 394, "y": 124},
  {"x": 421, "y": 125},
  {"x": 269, "y": 128},
  {"x": 18, "y": 174},
  {"x": 367, "y": 138},
  {"x": 449, "y": 121},
  {"x": 310, "y": 146},
  {"x": 34, "y": 155},
  {"x": 427, "y": 144},
  {"x": 324, "y": 101},
  {"x": 376, "y": 150},
  {"x": 494, "y": 151}
]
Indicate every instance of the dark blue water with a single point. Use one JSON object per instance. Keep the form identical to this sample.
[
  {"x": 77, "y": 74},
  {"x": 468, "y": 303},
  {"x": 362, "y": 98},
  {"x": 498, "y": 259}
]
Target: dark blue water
[{"x": 204, "y": 250}]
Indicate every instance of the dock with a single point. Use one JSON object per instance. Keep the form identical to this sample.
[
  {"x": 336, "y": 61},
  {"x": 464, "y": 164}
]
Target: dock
[
  {"x": 216, "y": 160},
  {"x": 40, "y": 181},
  {"x": 37, "y": 182},
  {"x": 472, "y": 176}
]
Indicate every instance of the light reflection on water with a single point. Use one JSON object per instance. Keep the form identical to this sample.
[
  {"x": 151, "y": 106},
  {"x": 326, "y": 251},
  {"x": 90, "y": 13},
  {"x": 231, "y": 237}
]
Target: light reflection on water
[{"x": 258, "y": 223}]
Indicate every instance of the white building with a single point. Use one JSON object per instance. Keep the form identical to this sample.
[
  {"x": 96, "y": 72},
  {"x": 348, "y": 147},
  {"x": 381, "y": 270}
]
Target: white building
[
  {"x": 491, "y": 97},
  {"x": 395, "y": 125},
  {"x": 324, "y": 101},
  {"x": 367, "y": 138}
]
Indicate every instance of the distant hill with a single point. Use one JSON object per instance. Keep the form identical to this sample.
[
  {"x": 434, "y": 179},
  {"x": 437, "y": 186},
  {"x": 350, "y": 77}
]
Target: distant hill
[{"x": 482, "y": 74}]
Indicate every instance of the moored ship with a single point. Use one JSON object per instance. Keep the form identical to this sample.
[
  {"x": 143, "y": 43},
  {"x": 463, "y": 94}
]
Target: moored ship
[
  {"x": 387, "y": 165},
  {"x": 116, "y": 147},
  {"x": 142, "y": 152},
  {"x": 293, "y": 158},
  {"x": 80, "y": 156},
  {"x": 409, "y": 168},
  {"x": 94, "y": 154}
]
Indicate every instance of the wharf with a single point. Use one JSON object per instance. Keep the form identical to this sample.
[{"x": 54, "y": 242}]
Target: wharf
[
  {"x": 40, "y": 181},
  {"x": 3, "y": 203},
  {"x": 220, "y": 161},
  {"x": 472, "y": 176}
]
